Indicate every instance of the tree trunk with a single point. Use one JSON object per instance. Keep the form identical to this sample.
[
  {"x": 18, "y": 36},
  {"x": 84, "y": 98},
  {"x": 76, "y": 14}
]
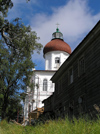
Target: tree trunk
[{"x": 4, "y": 107}]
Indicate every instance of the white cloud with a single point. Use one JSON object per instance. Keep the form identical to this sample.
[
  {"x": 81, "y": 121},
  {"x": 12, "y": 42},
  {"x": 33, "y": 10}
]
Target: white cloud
[
  {"x": 21, "y": 9},
  {"x": 75, "y": 19}
]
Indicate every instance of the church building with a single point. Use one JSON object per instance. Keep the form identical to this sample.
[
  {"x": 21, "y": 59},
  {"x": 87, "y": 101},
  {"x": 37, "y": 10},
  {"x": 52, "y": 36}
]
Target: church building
[
  {"x": 77, "y": 81},
  {"x": 55, "y": 53}
]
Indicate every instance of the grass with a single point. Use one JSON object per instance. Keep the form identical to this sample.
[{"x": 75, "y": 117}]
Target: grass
[{"x": 80, "y": 126}]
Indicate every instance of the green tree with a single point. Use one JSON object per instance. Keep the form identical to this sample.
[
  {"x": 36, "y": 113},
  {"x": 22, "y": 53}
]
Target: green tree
[{"x": 17, "y": 44}]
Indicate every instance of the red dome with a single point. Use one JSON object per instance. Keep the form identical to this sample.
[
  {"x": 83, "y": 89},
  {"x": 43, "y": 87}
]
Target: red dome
[{"x": 57, "y": 45}]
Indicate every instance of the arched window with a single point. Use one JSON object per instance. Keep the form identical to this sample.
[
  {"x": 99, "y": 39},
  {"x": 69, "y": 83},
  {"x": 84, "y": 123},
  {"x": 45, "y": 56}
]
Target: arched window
[
  {"x": 57, "y": 60},
  {"x": 45, "y": 85}
]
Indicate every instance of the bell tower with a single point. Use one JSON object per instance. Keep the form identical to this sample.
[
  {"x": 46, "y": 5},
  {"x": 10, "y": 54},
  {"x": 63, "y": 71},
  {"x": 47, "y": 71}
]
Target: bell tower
[{"x": 56, "y": 51}]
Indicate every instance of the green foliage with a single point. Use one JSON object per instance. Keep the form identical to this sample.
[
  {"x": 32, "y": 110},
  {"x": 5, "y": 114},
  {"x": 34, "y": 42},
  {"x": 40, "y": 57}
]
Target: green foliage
[
  {"x": 4, "y": 5},
  {"x": 17, "y": 43},
  {"x": 77, "y": 126}
]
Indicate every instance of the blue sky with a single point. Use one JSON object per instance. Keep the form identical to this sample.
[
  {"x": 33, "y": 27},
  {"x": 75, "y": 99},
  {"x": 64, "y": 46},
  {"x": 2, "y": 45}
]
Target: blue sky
[{"x": 76, "y": 19}]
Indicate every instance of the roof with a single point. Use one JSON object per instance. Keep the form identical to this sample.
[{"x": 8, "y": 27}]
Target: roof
[
  {"x": 78, "y": 50},
  {"x": 57, "y": 45}
]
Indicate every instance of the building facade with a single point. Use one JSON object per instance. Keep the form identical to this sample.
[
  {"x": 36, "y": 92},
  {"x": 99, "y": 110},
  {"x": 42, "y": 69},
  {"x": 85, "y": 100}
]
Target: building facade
[
  {"x": 55, "y": 53},
  {"x": 77, "y": 82}
]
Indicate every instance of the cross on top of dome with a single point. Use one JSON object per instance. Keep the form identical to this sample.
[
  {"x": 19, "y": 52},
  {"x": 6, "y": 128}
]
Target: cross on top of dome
[{"x": 57, "y": 24}]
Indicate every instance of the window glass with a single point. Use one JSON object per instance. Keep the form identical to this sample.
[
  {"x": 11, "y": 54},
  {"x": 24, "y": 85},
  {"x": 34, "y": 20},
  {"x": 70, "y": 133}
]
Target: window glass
[
  {"x": 57, "y": 60},
  {"x": 45, "y": 85}
]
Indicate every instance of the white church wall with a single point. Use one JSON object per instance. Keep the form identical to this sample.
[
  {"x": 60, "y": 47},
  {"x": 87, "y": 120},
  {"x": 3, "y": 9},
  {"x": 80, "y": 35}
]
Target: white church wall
[
  {"x": 26, "y": 107},
  {"x": 28, "y": 101},
  {"x": 48, "y": 62},
  {"x": 50, "y": 59},
  {"x": 63, "y": 57},
  {"x": 37, "y": 94}
]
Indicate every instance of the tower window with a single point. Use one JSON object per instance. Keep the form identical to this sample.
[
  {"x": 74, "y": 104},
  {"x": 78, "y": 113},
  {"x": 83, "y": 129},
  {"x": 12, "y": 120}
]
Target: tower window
[
  {"x": 45, "y": 85},
  {"x": 57, "y": 60}
]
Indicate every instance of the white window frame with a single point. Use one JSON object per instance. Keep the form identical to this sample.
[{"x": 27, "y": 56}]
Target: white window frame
[
  {"x": 45, "y": 84},
  {"x": 57, "y": 60}
]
